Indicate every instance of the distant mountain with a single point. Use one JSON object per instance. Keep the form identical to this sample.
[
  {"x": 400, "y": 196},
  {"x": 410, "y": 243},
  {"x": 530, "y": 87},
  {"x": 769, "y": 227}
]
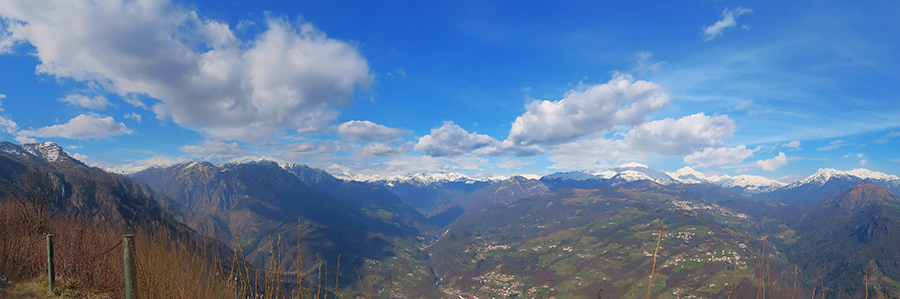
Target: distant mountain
[
  {"x": 860, "y": 196},
  {"x": 826, "y": 182},
  {"x": 849, "y": 233},
  {"x": 747, "y": 185},
  {"x": 574, "y": 242},
  {"x": 428, "y": 192},
  {"x": 628, "y": 172},
  {"x": 508, "y": 190},
  {"x": 259, "y": 200},
  {"x": 316, "y": 178}
]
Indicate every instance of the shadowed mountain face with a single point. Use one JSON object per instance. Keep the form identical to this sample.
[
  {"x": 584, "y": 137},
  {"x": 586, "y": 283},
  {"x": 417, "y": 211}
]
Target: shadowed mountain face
[
  {"x": 851, "y": 232},
  {"x": 508, "y": 190},
  {"x": 860, "y": 196},
  {"x": 78, "y": 189},
  {"x": 262, "y": 200}
]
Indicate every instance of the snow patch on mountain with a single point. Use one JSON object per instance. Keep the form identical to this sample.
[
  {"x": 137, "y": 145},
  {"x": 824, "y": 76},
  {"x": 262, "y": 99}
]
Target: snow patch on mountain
[
  {"x": 749, "y": 183},
  {"x": 420, "y": 179},
  {"x": 578, "y": 175},
  {"x": 48, "y": 150},
  {"x": 824, "y": 175}
]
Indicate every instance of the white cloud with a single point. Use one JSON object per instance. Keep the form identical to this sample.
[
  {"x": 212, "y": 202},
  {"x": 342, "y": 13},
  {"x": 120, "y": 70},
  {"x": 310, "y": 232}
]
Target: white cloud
[
  {"x": 670, "y": 137},
  {"x": 452, "y": 140},
  {"x": 81, "y": 127},
  {"x": 793, "y": 144},
  {"x": 25, "y": 139},
  {"x": 728, "y": 20},
  {"x": 2, "y": 96},
  {"x": 589, "y": 110},
  {"x": 772, "y": 164},
  {"x": 213, "y": 149},
  {"x": 589, "y": 153},
  {"x": 288, "y": 77},
  {"x": 134, "y": 116},
  {"x": 294, "y": 150},
  {"x": 863, "y": 161},
  {"x": 98, "y": 102},
  {"x": 860, "y": 155},
  {"x": 710, "y": 157},
  {"x": 356, "y": 130},
  {"x": 645, "y": 62},
  {"x": 382, "y": 149},
  {"x": 833, "y": 145},
  {"x": 743, "y": 105},
  {"x": 509, "y": 163},
  {"x": 79, "y": 157},
  {"x": 74, "y": 147}
]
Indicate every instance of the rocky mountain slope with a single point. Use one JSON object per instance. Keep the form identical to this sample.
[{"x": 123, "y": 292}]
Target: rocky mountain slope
[{"x": 258, "y": 200}]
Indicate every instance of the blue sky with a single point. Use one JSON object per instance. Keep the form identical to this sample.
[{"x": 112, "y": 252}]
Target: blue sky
[{"x": 777, "y": 89}]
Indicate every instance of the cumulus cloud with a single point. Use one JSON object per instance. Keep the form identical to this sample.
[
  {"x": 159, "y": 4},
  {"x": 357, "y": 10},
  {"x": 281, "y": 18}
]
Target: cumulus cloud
[
  {"x": 81, "y": 127},
  {"x": 294, "y": 150},
  {"x": 671, "y": 137},
  {"x": 589, "y": 110},
  {"x": 710, "y": 157},
  {"x": 452, "y": 140},
  {"x": 589, "y": 153},
  {"x": 25, "y": 139},
  {"x": 134, "y": 116},
  {"x": 6, "y": 124},
  {"x": 200, "y": 74},
  {"x": 356, "y": 130},
  {"x": 728, "y": 20},
  {"x": 80, "y": 157},
  {"x": 98, "y": 102},
  {"x": 213, "y": 149},
  {"x": 772, "y": 164},
  {"x": 381, "y": 149}
]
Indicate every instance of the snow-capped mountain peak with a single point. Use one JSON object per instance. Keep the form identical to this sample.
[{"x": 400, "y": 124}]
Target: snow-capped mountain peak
[
  {"x": 420, "y": 179},
  {"x": 688, "y": 175},
  {"x": 631, "y": 176},
  {"x": 48, "y": 150},
  {"x": 823, "y": 175}
]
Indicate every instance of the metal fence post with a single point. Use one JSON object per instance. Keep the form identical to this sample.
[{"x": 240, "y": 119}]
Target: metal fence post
[
  {"x": 130, "y": 271},
  {"x": 51, "y": 272}
]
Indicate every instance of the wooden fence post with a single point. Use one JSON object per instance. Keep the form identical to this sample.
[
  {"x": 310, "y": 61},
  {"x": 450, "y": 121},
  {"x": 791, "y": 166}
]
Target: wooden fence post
[
  {"x": 130, "y": 271},
  {"x": 51, "y": 272}
]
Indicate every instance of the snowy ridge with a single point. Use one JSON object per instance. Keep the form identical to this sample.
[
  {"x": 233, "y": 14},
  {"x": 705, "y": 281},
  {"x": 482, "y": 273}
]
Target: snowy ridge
[
  {"x": 749, "y": 183},
  {"x": 420, "y": 179},
  {"x": 578, "y": 175},
  {"x": 628, "y": 172},
  {"x": 48, "y": 150},
  {"x": 631, "y": 176},
  {"x": 824, "y": 175}
]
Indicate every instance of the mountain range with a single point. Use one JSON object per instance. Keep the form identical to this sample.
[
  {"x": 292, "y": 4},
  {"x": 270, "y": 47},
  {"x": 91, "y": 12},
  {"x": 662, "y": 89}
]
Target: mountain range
[{"x": 567, "y": 234}]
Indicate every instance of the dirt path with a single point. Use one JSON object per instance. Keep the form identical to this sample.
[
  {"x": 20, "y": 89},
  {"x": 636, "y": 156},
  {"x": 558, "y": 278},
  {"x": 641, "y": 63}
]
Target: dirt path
[{"x": 23, "y": 290}]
